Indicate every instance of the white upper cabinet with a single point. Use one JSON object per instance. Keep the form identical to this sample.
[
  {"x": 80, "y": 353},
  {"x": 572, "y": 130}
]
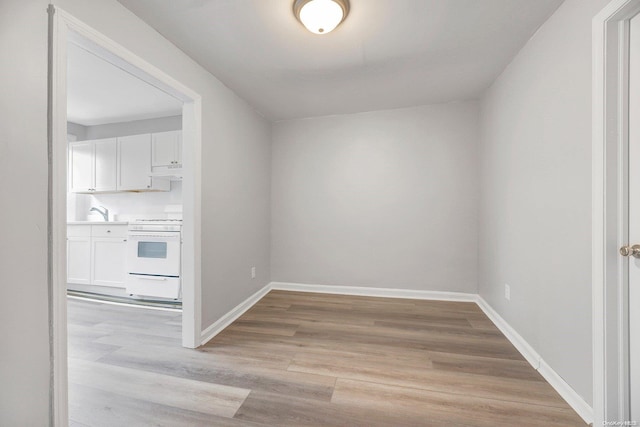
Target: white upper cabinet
[
  {"x": 166, "y": 150},
  {"x": 92, "y": 166},
  {"x": 134, "y": 165},
  {"x": 122, "y": 164},
  {"x": 81, "y": 163},
  {"x": 106, "y": 161}
]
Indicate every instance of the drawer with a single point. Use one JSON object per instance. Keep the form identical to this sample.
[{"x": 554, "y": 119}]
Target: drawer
[
  {"x": 153, "y": 286},
  {"x": 109, "y": 230},
  {"x": 78, "y": 230}
]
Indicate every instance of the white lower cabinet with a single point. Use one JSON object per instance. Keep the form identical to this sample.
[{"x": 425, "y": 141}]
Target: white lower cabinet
[
  {"x": 108, "y": 266},
  {"x": 79, "y": 260},
  {"x": 96, "y": 254}
]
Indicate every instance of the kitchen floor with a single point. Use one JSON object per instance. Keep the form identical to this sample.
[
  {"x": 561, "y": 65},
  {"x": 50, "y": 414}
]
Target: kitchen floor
[{"x": 301, "y": 359}]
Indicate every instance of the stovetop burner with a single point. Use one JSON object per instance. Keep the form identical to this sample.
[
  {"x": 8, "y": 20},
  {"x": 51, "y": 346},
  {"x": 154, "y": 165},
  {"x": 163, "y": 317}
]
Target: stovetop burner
[{"x": 165, "y": 224}]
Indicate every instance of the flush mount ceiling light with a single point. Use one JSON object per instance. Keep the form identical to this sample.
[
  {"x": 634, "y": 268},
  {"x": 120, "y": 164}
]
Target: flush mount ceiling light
[{"x": 320, "y": 16}]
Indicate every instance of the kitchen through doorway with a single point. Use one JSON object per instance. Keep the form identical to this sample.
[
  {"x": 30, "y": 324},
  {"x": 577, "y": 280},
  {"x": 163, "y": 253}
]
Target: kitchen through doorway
[{"x": 124, "y": 193}]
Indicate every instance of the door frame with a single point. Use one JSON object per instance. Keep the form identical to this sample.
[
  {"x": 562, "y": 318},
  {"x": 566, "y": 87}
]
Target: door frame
[
  {"x": 63, "y": 27},
  {"x": 610, "y": 32}
]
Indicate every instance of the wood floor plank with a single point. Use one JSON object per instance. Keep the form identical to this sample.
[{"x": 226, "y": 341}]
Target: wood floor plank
[
  {"x": 479, "y": 346},
  {"x": 455, "y": 408},
  {"x": 516, "y": 369},
  {"x": 192, "y": 364},
  {"x": 192, "y": 395},
  {"x": 90, "y": 406},
  {"x": 491, "y": 387},
  {"x": 274, "y": 410},
  {"x": 264, "y": 327}
]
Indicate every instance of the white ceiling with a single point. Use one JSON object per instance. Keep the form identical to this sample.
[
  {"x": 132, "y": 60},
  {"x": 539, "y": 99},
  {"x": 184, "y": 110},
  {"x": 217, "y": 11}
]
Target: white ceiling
[
  {"x": 386, "y": 54},
  {"x": 98, "y": 92}
]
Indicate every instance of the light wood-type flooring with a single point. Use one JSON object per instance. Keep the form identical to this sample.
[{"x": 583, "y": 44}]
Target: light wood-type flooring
[{"x": 303, "y": 359}]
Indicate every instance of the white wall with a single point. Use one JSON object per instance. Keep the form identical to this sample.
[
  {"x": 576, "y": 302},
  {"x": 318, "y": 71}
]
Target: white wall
[
  {"x": 382, "y": 199},
  {"x": 134, "y": 127},
  {"x": 535, "y": 211},
  {"x": 24, "y": 326},
  {"x": 235, "y": 189}
]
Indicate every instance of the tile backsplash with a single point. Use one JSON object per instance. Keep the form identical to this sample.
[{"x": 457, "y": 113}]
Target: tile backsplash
[{"x": 125, "y": 206}]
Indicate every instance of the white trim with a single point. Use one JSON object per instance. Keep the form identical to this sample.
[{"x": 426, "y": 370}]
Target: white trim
[
  {"x": 566, "y": 391},
  {"x": 57, "y": 112},
  {"x": 516, "y": 339},
  {"x": 610, "y": 370},
  {"x": 375, "y": 292},
  {"x": 220, "y": 324},
  {"x": 62, "y": 28},
  {"x": 535, "y": 360}
]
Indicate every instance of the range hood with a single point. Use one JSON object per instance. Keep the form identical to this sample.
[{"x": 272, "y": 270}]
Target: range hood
[{"x": 170, "y": 174}]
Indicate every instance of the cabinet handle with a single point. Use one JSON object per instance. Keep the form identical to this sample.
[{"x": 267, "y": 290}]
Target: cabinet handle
[{"x": 108, "y": 231}]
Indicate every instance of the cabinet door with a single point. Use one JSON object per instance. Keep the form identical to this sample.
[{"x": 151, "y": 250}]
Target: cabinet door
[
  {"x": 134, "y": 165},
  {"x": 79, "y": 260},
  {"x": 106, "y": 161},
  {"x": 179, "y": 149},
  {"x": 164, "y": 149},
  {"x": 81, "y": 167},
  {"x": 108, "y": 261}
]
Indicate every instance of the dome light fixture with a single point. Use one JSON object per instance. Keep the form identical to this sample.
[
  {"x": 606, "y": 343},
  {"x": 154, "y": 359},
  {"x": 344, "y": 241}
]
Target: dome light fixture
[{"x": 321, "y": 16}]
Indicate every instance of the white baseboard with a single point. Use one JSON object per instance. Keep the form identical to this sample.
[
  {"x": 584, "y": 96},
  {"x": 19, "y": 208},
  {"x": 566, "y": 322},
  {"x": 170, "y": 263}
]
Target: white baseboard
[
  {"x": 375, "y": 292},
  {"x": 516, "y": 339},
  {"x": 232, "y": 315},
  {"x": 565, "y": 390},
  {"x": 568, "y": 394}
]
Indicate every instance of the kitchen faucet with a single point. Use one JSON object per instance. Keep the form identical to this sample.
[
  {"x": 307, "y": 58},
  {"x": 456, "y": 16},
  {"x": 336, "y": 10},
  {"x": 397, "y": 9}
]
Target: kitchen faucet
[{"x": 104, "y": 214}]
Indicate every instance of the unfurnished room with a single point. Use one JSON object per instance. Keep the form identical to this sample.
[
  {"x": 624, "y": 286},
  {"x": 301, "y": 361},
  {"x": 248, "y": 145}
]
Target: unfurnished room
[{"x": 320, "y": 213}]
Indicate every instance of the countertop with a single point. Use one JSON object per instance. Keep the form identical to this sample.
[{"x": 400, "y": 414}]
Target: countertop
[{"x": 97, "y": 222}]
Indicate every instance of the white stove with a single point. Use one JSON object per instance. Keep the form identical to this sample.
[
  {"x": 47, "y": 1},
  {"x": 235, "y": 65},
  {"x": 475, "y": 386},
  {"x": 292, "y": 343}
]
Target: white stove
[{"x": 154, "y": 248}]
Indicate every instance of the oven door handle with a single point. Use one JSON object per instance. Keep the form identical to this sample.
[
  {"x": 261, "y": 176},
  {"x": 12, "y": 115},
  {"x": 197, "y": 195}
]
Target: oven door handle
[{"x": 154, "y": 278}]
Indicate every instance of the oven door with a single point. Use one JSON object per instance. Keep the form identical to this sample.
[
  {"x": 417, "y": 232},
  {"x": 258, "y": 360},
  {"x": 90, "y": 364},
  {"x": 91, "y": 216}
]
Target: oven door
[{"x": 153, "y": 254}]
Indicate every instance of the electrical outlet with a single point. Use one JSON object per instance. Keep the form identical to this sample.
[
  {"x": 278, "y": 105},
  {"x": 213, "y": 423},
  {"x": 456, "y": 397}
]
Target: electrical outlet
[
  {"x": 507, "y": 292},
  {"x": 253, "y": 272}
]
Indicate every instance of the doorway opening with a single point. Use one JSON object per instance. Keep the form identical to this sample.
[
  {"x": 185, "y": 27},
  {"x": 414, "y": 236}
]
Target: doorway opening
[{"x": 66, "y": 34}]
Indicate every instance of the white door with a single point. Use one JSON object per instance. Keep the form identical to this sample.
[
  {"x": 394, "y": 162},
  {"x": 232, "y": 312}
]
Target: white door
[
  {"x": 81, "y": 164},
  {"x": 109, "y": 261},
  {"x": 634, "y": 216},
  {"x": 165, "y": 149},
  {"x": 79, "y": 260},
  {"x": 134, "y": 154},
  {"x": 105, "y": 164}
]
